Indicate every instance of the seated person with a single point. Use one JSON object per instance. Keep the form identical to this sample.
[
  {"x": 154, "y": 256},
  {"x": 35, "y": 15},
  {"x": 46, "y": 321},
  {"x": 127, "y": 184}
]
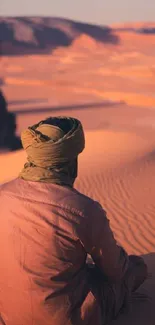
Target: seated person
[{"x": 48, "y": 229}]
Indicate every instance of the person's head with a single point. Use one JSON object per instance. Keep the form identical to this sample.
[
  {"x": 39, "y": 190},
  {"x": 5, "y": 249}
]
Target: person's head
[{"x": 52, "y": 148}]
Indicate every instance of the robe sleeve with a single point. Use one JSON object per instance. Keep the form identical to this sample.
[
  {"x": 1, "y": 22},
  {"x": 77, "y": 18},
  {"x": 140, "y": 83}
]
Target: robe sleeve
[{"x": 109, "y": 257}]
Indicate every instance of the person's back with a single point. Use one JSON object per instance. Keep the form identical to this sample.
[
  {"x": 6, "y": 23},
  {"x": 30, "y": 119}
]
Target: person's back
[
  {"x": 47, "y": 230},
  {"x": 43, "y": 260}
]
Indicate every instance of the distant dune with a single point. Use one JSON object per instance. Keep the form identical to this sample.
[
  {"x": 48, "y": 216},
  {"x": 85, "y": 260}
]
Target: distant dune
[
  {"x": 86, "y": 63},
  {"x": 24, "y": 35}
]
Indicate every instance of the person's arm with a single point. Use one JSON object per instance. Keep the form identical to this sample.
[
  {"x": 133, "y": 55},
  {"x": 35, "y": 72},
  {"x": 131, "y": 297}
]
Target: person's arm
[{"x": 110, "y": 258}]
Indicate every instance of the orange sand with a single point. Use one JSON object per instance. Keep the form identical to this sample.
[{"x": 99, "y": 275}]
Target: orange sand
[{"x": 118, "y": 165}]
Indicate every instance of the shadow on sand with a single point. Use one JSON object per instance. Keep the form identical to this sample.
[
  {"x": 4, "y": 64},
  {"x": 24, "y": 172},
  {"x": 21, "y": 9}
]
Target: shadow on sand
[
  {"x": 27, "y": 101},
  {"x": 143, "y": 311},
  {"x": 54, "y": 109}
]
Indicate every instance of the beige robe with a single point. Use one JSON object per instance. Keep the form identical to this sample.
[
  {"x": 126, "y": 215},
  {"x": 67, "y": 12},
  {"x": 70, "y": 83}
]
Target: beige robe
[{"x": 46, "y": 233}]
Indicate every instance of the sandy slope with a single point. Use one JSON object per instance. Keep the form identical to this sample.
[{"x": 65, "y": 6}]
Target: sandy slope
[{"x": 118, "y": 165}]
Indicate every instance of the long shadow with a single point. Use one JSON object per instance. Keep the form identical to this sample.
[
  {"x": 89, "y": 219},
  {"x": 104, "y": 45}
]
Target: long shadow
[
  {"x": 27, "y": 101},
  {"x": 143, "y": 311},
  {"x": 67, "y": 108},
  {"x": 42, "y": 35},
  {"x": 147, "y": 31}
]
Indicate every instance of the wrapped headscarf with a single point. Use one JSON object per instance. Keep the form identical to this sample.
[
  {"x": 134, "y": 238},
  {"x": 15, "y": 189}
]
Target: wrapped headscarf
[{"x": 52, "y": 148}]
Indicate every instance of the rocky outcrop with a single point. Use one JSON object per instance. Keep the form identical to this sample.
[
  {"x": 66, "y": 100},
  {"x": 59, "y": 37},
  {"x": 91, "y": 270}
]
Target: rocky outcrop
[
  {"x": 42, "y": 35},
  {"x": 8, "y": 138}
]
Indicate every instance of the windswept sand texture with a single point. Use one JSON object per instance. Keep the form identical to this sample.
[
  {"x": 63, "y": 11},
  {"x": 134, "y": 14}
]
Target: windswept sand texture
[{"x": 110, "y": 87}]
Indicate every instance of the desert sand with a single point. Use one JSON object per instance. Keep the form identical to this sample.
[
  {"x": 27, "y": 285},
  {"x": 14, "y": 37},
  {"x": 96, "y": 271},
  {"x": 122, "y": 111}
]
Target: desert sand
[{"x": 111, "y": 89}]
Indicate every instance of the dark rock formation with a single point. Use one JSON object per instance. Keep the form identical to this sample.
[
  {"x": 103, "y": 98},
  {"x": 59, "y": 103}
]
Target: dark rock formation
[
  {"x": 41, "y": 35},
  {"x": 8, "y": 138}
]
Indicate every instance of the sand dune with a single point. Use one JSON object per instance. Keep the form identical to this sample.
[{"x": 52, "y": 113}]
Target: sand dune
[
  {"x": 104, "y": 77},
  {"x": 87, "y": 69},
  {"x": 31, "y": 35}
]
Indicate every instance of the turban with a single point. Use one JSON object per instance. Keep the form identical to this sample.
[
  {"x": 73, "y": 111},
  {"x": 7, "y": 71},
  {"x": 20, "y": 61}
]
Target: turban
[{"x": 52, "y": 148}]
